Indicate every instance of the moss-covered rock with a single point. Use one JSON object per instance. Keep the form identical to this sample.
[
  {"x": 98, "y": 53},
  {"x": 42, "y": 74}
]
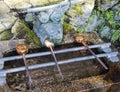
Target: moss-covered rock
[
  {"x": 80, "y": 12},
  {"x": 67, "y": 27},
  {"x": 78, "y": 9},
  {"x": 5, "y": 35},
  {"x": 22, "y": 31},
  {"x": 104, "y": 21},
  {"x": 2, "y": 28}
]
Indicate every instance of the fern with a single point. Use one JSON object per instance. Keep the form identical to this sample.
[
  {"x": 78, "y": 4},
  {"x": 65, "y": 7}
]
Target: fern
[
  {"x": 116, "y": 35},
  {"x": 109, "y": 15}
]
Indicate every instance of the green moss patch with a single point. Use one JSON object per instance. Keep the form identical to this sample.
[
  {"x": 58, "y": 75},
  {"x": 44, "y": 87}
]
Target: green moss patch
[
  {"x": 78, "y": 9},
  {"x": 67, "y": 27},
  {"x": 6, "y": 35},
  {"x": 24, "y": 32}
]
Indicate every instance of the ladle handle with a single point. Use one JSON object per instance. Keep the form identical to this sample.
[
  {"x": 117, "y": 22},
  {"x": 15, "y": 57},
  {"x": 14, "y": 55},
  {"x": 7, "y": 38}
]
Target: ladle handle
[
  {"x": 59, "y": 70},
  {"x": 97, "y": 58},
  {"x": 27, "y": 74},
  {"x": 22, "y": 49},
  {"x": 81, "y": 39}
]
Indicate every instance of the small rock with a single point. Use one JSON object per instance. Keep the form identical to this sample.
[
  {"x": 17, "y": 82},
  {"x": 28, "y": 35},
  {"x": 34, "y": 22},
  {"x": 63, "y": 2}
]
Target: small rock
[
  {"x": 29, "y": 17},
  {"x": 106, "y": 4},
  {"x": 93, "y": 23},
  {"x": 116, "y": 8},
  {"x": 86, "y": 8},
  {"x": 19, "y": 29},
  {"x": 112, "y": 31},
  {"x": 7, "y": 21},
  {"x": 105, "y": 33},
  {"x": 15, "y": 27}
]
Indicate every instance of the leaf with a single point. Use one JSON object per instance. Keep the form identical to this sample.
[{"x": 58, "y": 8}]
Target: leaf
[{"x": 116, "y": 35}]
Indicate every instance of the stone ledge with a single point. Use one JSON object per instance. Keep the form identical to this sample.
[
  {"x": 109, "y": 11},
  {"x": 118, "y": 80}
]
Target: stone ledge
[{"x": 9, "y": 44}]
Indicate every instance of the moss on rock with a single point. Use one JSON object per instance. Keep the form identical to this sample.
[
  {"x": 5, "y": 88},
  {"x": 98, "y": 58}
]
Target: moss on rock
[
  {"x": 78, "y": 9},
  {"x": 67, "y": 27},
  {"x": 22, "y": 31},
  {"x": 5, "y": 35},
  {"x": 32, "y": 37}
]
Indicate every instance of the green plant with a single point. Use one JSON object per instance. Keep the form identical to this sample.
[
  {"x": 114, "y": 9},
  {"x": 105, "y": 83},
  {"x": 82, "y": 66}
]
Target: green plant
[
  {"x": 109, "y": 16},
  {"x": 118, "y": 12},
  {"x": 116, "y": 35},
  {"x": 80, "y": 30}
]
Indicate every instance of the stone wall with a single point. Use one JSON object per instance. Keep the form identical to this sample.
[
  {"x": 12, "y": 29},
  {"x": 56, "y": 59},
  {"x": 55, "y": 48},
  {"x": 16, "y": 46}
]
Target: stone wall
[
  {"x": 105, "y": 18},
  {"x": 78, "y": 14}
]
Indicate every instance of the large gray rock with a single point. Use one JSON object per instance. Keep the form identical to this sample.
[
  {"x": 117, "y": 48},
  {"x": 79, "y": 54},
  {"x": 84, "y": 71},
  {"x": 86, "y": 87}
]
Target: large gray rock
[
  {"x": 7, "y": 21},
  {"x": 22, "y": 31},
  {"x": 19, "y": 4},
  {"x": 3, "y": 8},
  {"x": 19, "y": 29},
  {"x": 106, "y": 4},
  {"x": 80, "y": 13},
  {"x": 16, "y": 27},
  {"x": 93, "y": 23},
  {"x": 49, "y": 31},
  {"x": 6, "y": 35},
  {"x": 2, "y": 28},
  {"x": 9, "y": 45},
  {"x": 116, "y": 10},
  {"x": 106, "y": 33}
]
